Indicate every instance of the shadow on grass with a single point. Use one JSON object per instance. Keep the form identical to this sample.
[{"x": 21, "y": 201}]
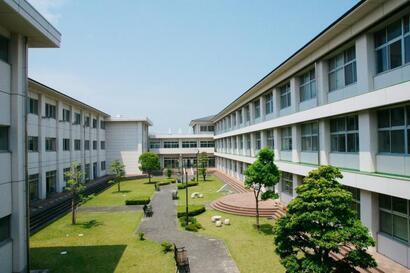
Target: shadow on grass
[
  {"x": 90, "y": 224},
  {"x": 118, "y": 192},
  {"x": 267, "y": 229},
  {"x": 79, "y": 259}
]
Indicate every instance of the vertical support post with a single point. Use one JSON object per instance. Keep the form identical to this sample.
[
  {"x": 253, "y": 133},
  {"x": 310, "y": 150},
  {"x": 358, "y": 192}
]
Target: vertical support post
[{"x": 186, "y": 197}]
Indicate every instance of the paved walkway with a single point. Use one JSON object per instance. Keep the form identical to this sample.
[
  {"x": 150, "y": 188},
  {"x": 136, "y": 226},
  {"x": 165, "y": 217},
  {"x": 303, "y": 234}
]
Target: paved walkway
[
  {"x": 110, "y": 209},
  {"x": 205, "y": 254}
]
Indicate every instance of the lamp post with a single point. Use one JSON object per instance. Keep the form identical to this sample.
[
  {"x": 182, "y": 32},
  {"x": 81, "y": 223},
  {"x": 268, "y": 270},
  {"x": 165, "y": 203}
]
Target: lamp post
[
  {"x": 186, "y": 196},
  {"x": 197, "y": 166}
]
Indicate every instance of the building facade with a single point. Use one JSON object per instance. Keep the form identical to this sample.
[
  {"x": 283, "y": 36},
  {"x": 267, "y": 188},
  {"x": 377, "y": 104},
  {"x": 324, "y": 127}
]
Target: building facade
[
  {"x": 21, "y": 28},
  {"x": 344, "y": 100}
]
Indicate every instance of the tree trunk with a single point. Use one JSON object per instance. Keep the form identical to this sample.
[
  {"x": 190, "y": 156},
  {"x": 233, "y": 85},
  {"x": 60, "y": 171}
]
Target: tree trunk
[
  {"x": 73, "y": 216},
  {"x": 149, "y": 178},
  {"x": 119, "y": 186},
  {"x": 257, "y": 208}
]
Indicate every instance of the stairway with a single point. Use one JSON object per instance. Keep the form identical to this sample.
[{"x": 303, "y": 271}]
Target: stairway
[
  {"x": 233, "y": 183},
  {"x": 275, "y": 212}
]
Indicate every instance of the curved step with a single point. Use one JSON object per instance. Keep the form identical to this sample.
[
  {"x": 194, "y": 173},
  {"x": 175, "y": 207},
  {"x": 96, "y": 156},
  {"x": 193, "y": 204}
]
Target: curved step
[{"x": 264, "y": 212}]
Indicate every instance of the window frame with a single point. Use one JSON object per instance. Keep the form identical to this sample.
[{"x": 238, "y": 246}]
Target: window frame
[
  {"x": 33, "y": 106},
  {"x": 286, "y": 135},
  {"x": 171, "y": 144},
  {"x": 285, "y": 95},
  {"x": 51, "y": 111},
  {"x": 5, "y": 147},
  {"x": 50, "y": 144},
  {"x": 311, "y": 82},
  {"x": 342, "y": 67},
  {"x": 312, "y": 135},
  {"x": 287, "y": 183},
  {"x": 345, "y": 133},
  {"x": 65, "y": 147},
  {"x": 268, "y": 103}
]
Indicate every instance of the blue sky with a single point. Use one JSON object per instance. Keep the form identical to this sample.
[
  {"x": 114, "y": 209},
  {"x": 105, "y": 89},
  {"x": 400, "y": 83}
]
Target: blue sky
[{"x": 172, "y": 60}]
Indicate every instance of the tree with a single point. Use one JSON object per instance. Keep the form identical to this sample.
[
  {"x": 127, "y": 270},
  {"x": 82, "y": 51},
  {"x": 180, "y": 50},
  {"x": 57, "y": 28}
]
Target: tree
[
  {"x": 169, "y": 173},
  {"x": 261, "y": 173},
  {"x": 149, "y": 162},
  {"x": 118, "y": 170},
  {"x": 203, "y": 161},
  {"x": 319, "y": 222},
  {"x": 75, "y": 185}
]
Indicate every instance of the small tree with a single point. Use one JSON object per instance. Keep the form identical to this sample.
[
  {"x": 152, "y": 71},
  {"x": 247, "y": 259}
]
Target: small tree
[
  {"x": 118, "y": 170},
  {"x": 203, "y": 162},
  {"x": 169, "y": 173},
  {"x": 75, "y": 185},
  {"x": 319, "y": 222},
  {"x": 261, "y": 173},
  {"x": 149, "y": 162}
]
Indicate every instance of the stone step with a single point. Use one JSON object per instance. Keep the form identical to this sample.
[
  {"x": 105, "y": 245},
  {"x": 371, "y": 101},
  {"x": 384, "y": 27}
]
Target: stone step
[
  {"x": 274, "y": 212},
  {"x": 228, "y": 206}
]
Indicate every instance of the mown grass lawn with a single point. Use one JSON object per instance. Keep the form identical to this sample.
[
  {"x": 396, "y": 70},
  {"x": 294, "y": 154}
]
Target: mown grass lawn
[
  {"x": 137, "y": 187},
  {"x": 108, "y": 244},
  {"x": 208, "y": 188}
]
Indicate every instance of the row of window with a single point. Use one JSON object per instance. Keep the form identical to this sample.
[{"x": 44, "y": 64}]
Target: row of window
[
  {"x": 174, "y": 163},
  {"x": 206, "y": 128},
  {"x": 51, "y": 144},
  {"x": 392, "y": 50},
  {"x": 51, "y": 112},
  {"x": 185, "y": 144}
]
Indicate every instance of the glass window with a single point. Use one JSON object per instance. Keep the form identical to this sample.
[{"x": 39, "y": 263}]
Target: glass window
[
  {"x": 247, "y": 113},
  {"x": 94, "y": 123},
  {"x": 171, "y": 144},
  {"x": 207, "y": 144},
  {"x": 286, "y": 139},
  {"x": 344, "y": 134},
  {"x": 189, "y": 144},
  {"x": 394, "y": 217},
  {"x": 4, "y": 49},
  {"x": 33, "y": 181},
  {"x": 258, "y": 140},
  {"x": 356, "y": 199},
  {"x": 50, "y": 111},
  {"x": 307, "y": 87},
  {"x": 103, "y": 167},
  {"x": 66, "y": 115},
  {"x": 50, "y": 144},
  {"x": 270, "y": 139},
  {"x": 240, "y": 116},
  {"x": 102, "y": 145},
  {"x": 342, "y": 69},
  {"x": 51, "y": 182},
  {"x": 284, "y": 91},
  {"x": 77, "y": 118},
  {"x": 155, "y": 144},
  {"x": 268, "y": 103},
  {"x": 66, "y": 144},
  {"x": 310, "y": 137},
  {"x": 87, "y": 122},
  {"x": 33, "y": 106},
  {"x": 87, "y": 145},
  {"x": 5, "y": 228},
  {"x": 95, "y": 145},
  {"x": 287, "y": 183},
  {"x": 392, "y": 130},
  {"x": 77, "y": 144},
  {"x": 33, "y": 144},
  {"x": 4, "y": 138},
  {"x": 257, "y": 107},
  {"x": 102, "y": 124}
]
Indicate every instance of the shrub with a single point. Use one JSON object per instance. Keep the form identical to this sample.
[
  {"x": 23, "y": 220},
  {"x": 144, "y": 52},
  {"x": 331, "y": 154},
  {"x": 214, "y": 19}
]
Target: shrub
[
  {"x": 193, "y": 224},
  {"x": 164, "y": 183},
  {"x": 169, "y": 173},
  {"x": 141, "y": 236},
  {"x": 166, "y": 246},
  {"x": 269, "y": 195},
  {"x": 192, "y": 210},
  {"x": 191, "y": 227},
  {"x": 190, "y": 184},
  {"x": 138, "y": 200}
]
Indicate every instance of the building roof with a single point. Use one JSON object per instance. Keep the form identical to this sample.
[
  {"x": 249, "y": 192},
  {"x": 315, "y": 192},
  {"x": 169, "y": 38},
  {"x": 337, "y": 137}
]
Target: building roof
[
  {"x": 44, "y": 88},
  {"x": 125, "y": 119},
  {"x": 203, "y": 119},
  {"x": 20, "y": 17}
]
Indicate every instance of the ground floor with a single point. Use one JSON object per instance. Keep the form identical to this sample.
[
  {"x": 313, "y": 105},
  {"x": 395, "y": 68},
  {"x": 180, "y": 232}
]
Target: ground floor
[{"x": 186, "y": 160}]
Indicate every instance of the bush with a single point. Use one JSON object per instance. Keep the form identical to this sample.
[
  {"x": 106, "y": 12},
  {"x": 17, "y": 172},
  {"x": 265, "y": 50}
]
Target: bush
[
  {"x": 193, "y": 224},
  {"x": 190, "y": 184},
  {"x": 169, "y": 173},
  {"x": 192, "y": 210},
  {"x": 138, "y": 200},
  {"x": 141, "y": 236},
  {"x": 164, "y": 183},
  {"x": 269, "y": 195},
  {"x": 166, "y": 246},
  {"x": 191, "y": 227}
]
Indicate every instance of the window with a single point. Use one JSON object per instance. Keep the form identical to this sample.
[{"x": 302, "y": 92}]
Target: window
[
  {"x": 171, "y": 163},
  {"x": 5, "y": 228},
  {"x": 344, "y": 135},
  {"x": 66, "y": 171},
  {"x": 4, "y": 49},
  {"x": 287, "y": 183},
  {"x": 258, "y": 140},
  {"x": 310, "y": 137},
  {"x": 342, "y": 69},
  {"x": 270, "y": 139},
  {"x": 268, "y": 103},
  {"x": 189, "y": 144},
  {"x": 240, "y": 116},
  {"x": 284, "y": 92},
  {"x": 171, "y": 144},
  {"x": 50, "y": 111},
  {"x": 33, "y": 144},
  {"x": 286, "y": 139},
  {"x": 394, "y": 217},
  {"x": 206, "y": 128},
  {"x": 66, "y": 115},
  {"x": 207, "y": 144},
  {"x": 94, "y": 123},
  {"x": 102, "y": 145},
  {"x": 393, "y": 132},
  {"x": 392, "y": 45},
  {"x": 307, "y": 87},
  {"x": 103, "y": 167},
  {"x": 51, "y": 144},
  {"x": 51, "y": 182},
  {"x": 87, "y": 145},
  {"x": 356, "y": 199},
  {"x": 240, "y": 142},
  {"x": 87, "y": 172},
  {"x": 247, "y": 113},
  {"x": 102, "y": 124},
  {"x": 33, "y": 106},
  {"x": 95, "y": 145},
  {"x": 155, "y": 144},
  {"x": 87, "y": 122},
  {"x": 257, "y": 107},
  {"x": 77, "y": 144},
  {"x": 4, "y": 138},
  {"x": 66, "y": 144},
  {"x": 77, "y": 118},
  {"x": 33, "y": 182}
]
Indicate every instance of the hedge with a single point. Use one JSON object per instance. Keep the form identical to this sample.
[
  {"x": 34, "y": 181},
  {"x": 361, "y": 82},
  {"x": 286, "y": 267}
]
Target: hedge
[
  {"x": 138, "y": 200},
  {"x": 164, "y": 183},
  {"x": 190, "y": 184},
  {"x": 192, "y": 210}
]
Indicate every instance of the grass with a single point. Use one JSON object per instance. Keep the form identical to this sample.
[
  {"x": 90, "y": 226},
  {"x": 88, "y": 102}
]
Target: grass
[
  {"x": 109, "y": 244},
  {"x": 208, "y": 189},
  {"x": 138, "y": 187}
]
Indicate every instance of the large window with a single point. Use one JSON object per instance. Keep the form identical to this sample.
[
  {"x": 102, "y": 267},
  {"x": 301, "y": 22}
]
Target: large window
[
  {"x": 171, "y": 163},
  {"x": 307, "y": 87},
  {"x": 4, "y": 49},
  {"x": 103, "y": 167},
  {"x": 5, "y": 228},
  {"x": 287, "y": 183},
  {"x": 4, "y": 138},
  {"x": 66, "y": 144},
  {"x": 239, "y": 113},
  {"x": 77, "y": 144},
  {"x": 102, "y": 145},
  {"x": 33, "y": 144},
  {"x": 189, "y": 144},
  {"x": 33, "y": 181},
  {"x": 77, "y": 118},
  {"x": 394, "y": 217},
  {"x": 284, "y": 92},
  {"x": 66, "y": 115},
  {"x": 50, "y": 111},
  {"x": 171, "y": 144},
  {"x": 356, "y": 199},
  {"x": 247, "y": 113},
  {"x": 94, "y": 123},
  {"x": 155, "y": 144},
  {"x": 87, "y": 122},
  {"x": 268, "y": 103},
  {"x": 206, "y": 128},
  {"x": 51, "y": 145},
  {"x": 207, "y": 144},
  {"x": 95, "y": 144},
  {"x": 310, "y": 137},
  {"x": 102, "y": 124},
  {"x": 87, "y": 145},
  {"x": 344, "y": 134},
  {"x": 257, "y": 108},
  {"x": 248, "y": 141},
  {"x": 394, "y": 130},
  {"x": 258, "y": 140},
  {"x": 270, "y": 139},
  {"x": 33, "y": 106},
  {"x": 392, "y": 45},
  {"x": 51, "y": 182},
  {"x": 342, "y": 69},
  {"x": 286, "y": 139}
]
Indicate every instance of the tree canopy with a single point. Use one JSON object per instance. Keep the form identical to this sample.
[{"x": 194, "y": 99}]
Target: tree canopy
[
  {"x": 149, "y": 162},
  {"x": 319, "y": 221},
  {"x": 118, "y": 170},
  {"x": 75, "y": 185}
]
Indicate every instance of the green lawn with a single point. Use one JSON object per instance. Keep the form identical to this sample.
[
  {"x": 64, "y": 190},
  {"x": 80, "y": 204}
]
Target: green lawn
[
  {"x": 108, "y": 245},
  {"x": 111, "y": 196},
  {"x": 207, "y": 188}
]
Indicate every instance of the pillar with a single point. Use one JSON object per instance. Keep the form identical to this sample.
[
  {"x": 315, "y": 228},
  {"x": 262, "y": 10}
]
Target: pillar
[
  {"x": 367, "y": 140},
  {"x": 324, "y": 142}
]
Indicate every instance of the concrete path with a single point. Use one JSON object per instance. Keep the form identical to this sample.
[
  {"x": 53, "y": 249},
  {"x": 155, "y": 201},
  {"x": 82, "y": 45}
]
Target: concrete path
[
  {"x": 205, "y": 254},
  {"x": 110, "y": 209}
]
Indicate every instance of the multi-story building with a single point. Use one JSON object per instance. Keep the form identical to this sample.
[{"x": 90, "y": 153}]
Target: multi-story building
[
  {"x": 342, "y": 99},
  {"x": 21, "y": 28},
  {"x": 60, "y": 130}
]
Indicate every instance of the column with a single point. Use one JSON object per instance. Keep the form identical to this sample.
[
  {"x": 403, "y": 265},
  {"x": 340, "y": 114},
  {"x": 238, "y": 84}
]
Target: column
[
  {"x": 296, "y": 182},
  {"x": 367, "y": 140},
  {"x": 253, "y": 144},
  {"x": 296, "y": 143},
  {"x": 251, "y": 112},
  {"x": 294, "y": 94},
  {"x": 263, "y": 107},
  {"x": 324, "y": 142},
  {"x": 322, "y": 71},
  {"x": 365, "y": 62},
  {"x": 243, "y": 145},
  {"x": 369, "y": 211},
  {"x": 276, "y": 102},
  {"x": 41, "y": 147},
  {"x": 276, "y": 148},
  {"x": 264, "y": 139},
  {"x": 59, "y": 147}
]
